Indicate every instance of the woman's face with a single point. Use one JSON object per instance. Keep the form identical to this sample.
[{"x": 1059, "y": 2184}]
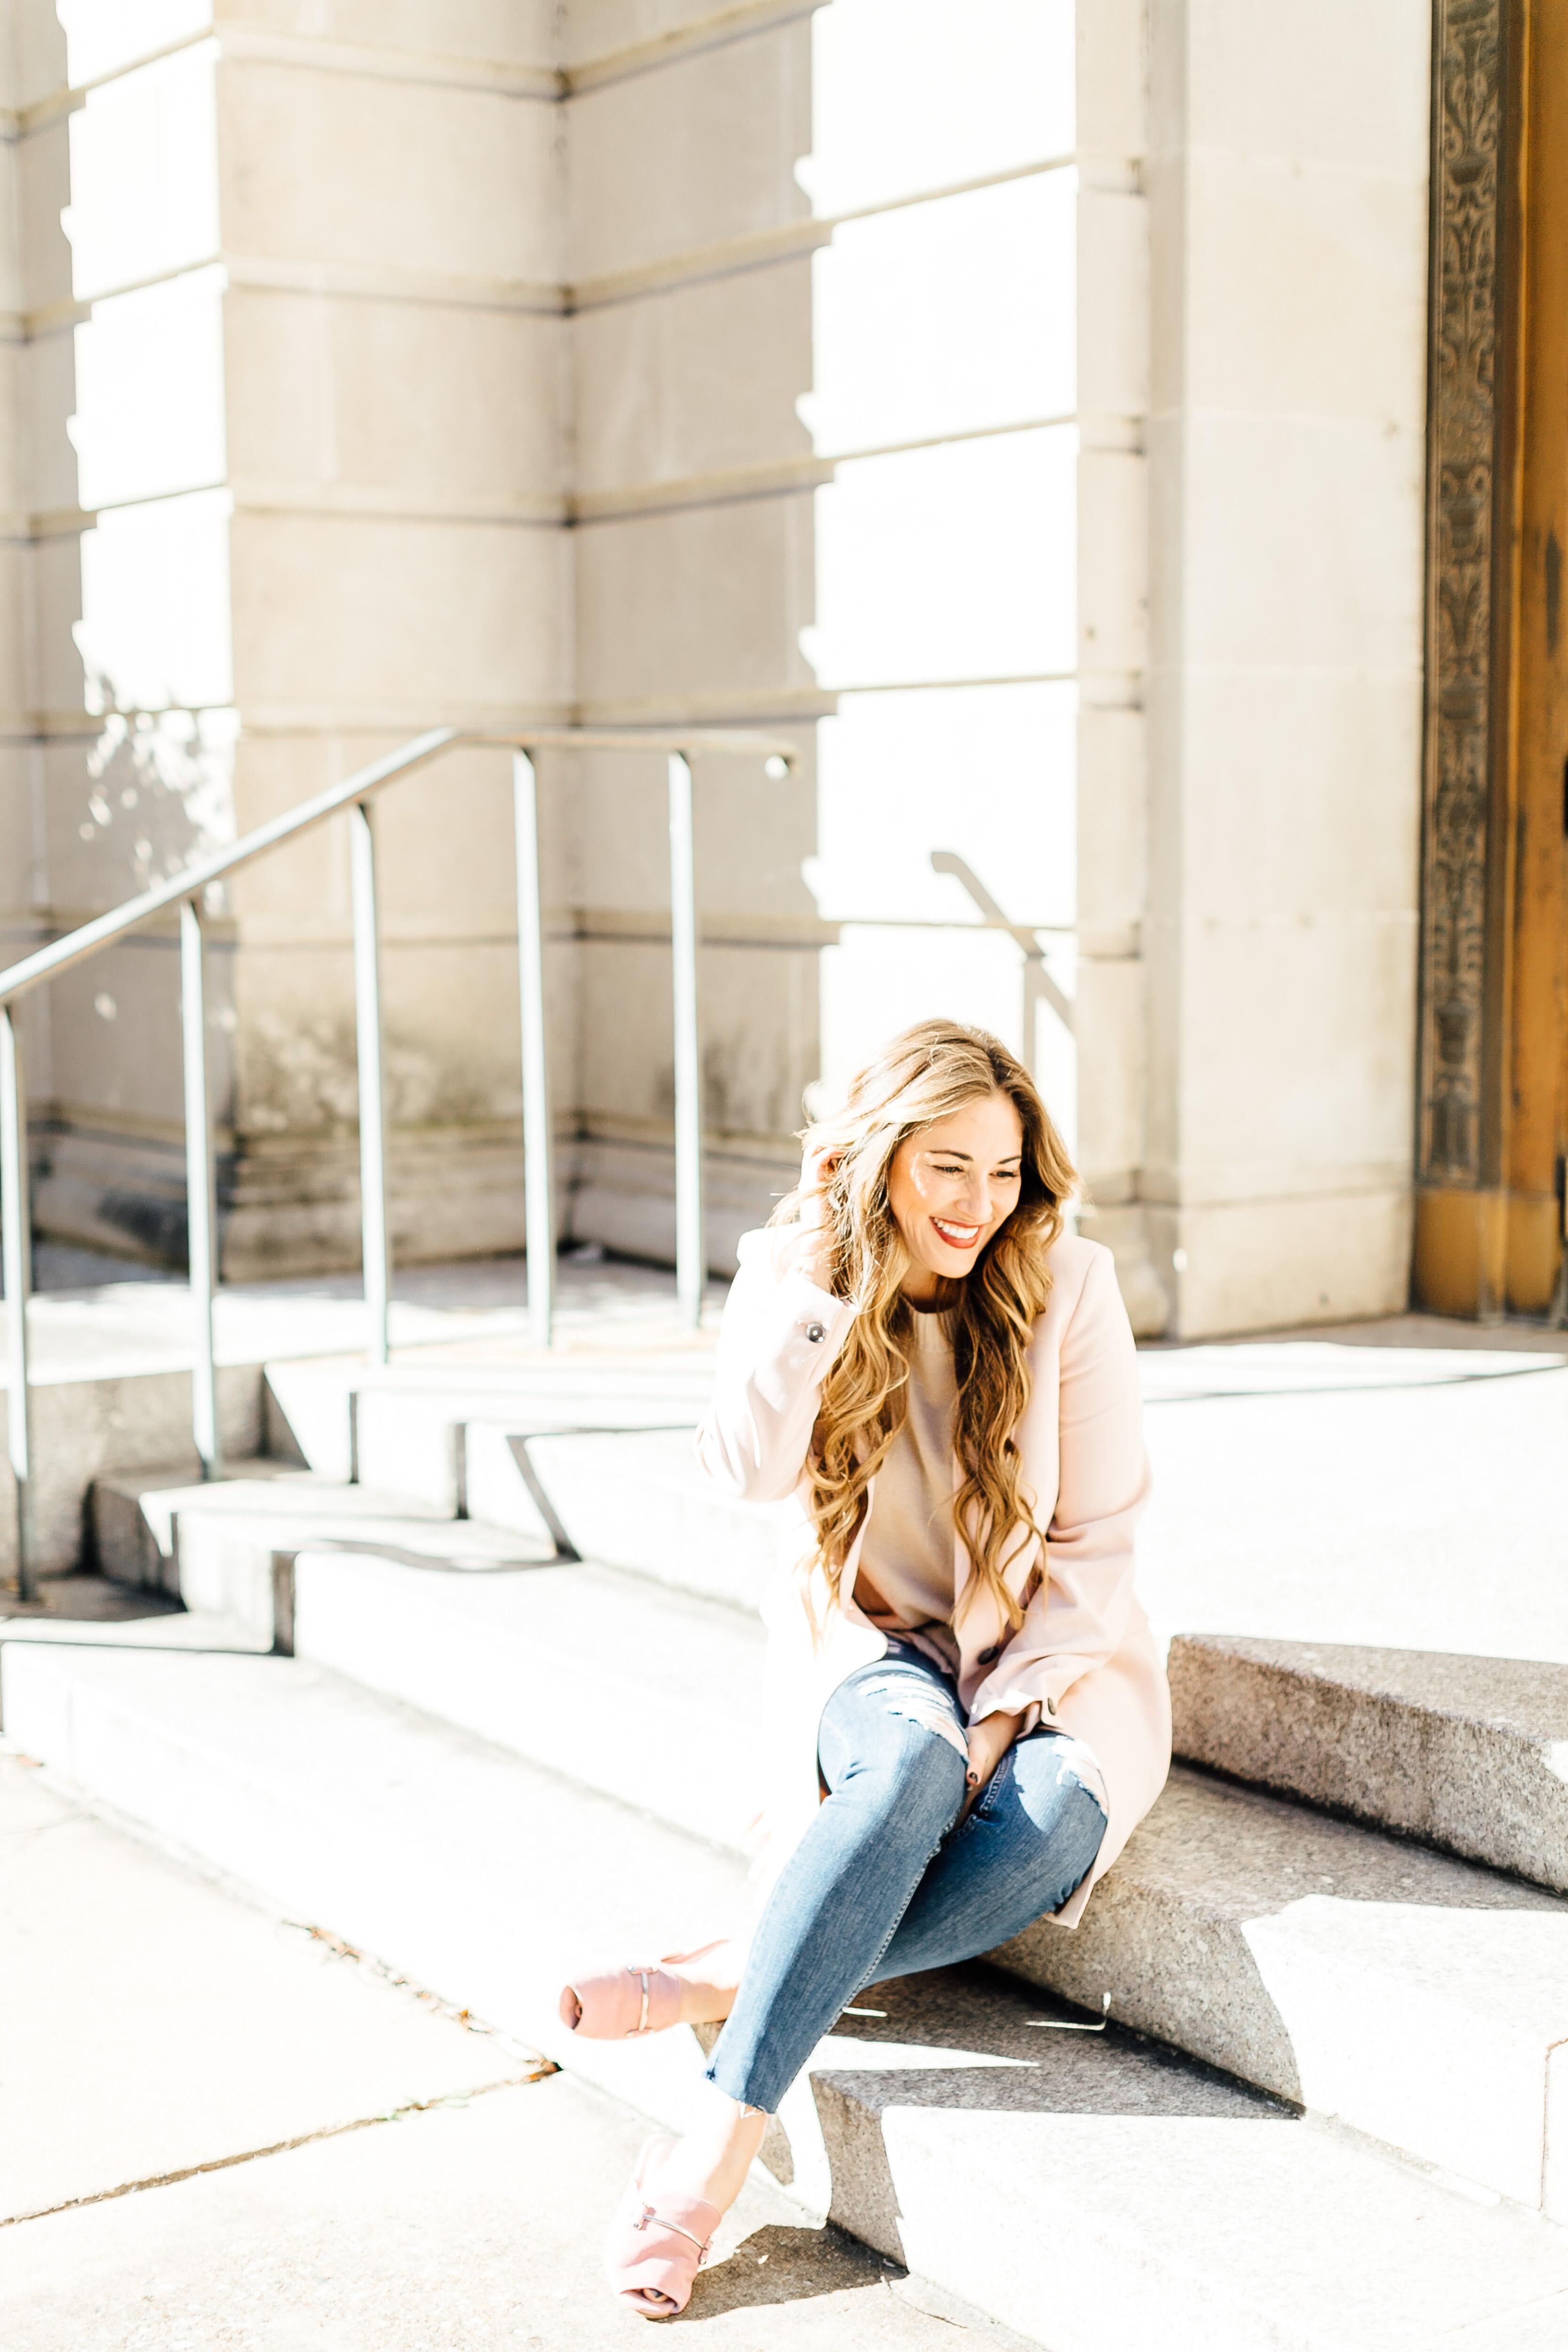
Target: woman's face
[{"x": 952, "y": 1185}]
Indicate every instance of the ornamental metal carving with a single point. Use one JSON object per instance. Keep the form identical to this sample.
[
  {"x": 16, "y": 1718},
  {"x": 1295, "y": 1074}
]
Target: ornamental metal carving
[{"x": 1462, "y": 424}]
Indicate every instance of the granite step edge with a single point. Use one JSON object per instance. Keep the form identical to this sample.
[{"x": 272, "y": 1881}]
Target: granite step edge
[{"x": 1463, "y": 1753}]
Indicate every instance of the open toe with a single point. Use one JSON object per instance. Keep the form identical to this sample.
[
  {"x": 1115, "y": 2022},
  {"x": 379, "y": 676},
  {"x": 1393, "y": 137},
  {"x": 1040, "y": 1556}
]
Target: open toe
[{"x": 658, "y": 2240}]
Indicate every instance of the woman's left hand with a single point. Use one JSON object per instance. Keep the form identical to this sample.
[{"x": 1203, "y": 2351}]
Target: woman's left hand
[{"x": 988, "y": 1743}]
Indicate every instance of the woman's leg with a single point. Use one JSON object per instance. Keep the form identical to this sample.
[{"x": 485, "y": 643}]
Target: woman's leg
[
  {"x": 1027, "y": 1844},
  {"x": 893, "y": 1756}
]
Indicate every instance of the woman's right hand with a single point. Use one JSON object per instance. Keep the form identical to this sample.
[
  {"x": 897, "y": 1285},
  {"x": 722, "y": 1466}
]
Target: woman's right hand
[{"x": 817, "y": 1164}]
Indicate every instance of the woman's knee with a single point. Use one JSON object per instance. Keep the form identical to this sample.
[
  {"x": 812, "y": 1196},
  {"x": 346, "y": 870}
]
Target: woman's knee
[
  {"x": 1051, "y": 1796},
  {"x": 868, "y": 1720},
  {"x": 914, "y": 1771}
]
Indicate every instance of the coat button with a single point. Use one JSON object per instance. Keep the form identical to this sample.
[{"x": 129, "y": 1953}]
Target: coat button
[
  {"x": 989, "y": 1658},
  {"x": 816, "y": 1332}
]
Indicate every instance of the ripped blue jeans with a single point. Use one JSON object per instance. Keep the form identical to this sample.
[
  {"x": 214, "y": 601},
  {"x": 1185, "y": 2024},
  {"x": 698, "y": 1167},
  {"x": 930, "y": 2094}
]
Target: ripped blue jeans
[{"x": 884, "y": 1883}]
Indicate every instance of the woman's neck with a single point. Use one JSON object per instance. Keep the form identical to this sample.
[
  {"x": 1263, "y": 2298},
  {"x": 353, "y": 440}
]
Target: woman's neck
[{"x": 929, "y": 1292}]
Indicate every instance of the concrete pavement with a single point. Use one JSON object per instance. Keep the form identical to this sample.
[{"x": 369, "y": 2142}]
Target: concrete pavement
[{"x": 217, "y": 2130}]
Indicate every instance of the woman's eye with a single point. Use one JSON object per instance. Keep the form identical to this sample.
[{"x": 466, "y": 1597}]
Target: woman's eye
[{"x": 946, "y": 1171}]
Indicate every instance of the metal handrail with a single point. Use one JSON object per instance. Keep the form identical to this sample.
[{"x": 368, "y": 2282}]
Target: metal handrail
[{"x": 355, "y": 797}]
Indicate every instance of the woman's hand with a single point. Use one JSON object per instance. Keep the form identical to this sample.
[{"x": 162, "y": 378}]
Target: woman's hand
[
  {"x": 988, "y": 1743},
  {"x": 816, "y": 1167}
]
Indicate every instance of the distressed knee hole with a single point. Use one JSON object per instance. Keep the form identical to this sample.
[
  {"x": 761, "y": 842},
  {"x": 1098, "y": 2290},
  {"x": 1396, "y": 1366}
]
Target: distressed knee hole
[{"x": 914, "y": 1700}]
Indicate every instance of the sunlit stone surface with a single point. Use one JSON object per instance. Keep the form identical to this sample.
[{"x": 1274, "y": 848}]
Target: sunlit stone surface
[{"x": 1022, "y": 403}]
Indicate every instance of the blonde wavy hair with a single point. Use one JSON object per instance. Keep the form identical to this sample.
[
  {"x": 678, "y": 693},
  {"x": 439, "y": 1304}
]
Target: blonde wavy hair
[{"x": 927, "y": 1074}]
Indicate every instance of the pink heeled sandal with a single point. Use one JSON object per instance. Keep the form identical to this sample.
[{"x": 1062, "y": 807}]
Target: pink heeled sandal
[
  {"x": 615, "y": 2004},
  {"x": 656, "y": 2247}
]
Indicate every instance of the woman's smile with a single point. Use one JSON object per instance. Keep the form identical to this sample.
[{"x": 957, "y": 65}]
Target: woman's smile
[{"x": 956, "y": 1236}]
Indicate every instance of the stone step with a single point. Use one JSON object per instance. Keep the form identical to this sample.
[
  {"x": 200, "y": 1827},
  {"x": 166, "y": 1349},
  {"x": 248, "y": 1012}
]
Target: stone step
[
  {"x": 110, "y": 1370},
  {"x": 626, "y": 1689},
  {"x": 111, "y": 1420},
  {"x": 322, "y": 1412},
  {"x": 230, "y": 1548},
  {"x": 1467, "y": 1753},
  {"x": 1417, "y": 1998},
  {"x": 635, "y": 1499},
  {"x": 1084, "y": 2189},
  {"x": 594, "y": 1459}
]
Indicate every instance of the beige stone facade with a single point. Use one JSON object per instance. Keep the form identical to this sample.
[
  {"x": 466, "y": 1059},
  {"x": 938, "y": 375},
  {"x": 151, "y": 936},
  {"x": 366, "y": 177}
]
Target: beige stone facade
[{"x": 1020, "y": 403}]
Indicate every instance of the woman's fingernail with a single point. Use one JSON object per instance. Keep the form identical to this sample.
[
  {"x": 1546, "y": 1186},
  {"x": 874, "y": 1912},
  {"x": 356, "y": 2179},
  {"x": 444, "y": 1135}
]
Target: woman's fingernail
[{"x": 973, "y": 1779}]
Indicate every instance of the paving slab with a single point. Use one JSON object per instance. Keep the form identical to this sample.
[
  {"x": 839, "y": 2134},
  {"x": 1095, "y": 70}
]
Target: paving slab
[
  {"x": 468, "y": 1869},
  {"x": 472, "y": 2229},
  {"x": 1468, "y": 1753},
  {"x": 1396, "y": 1355},
  {"x": 157, "y": 2025},
  {"x": 113, "y": 1323},
  {"x": 153, "y": 2021}
]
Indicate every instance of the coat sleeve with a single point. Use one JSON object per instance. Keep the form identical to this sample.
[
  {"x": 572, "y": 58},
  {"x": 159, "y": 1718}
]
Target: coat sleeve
[
  {"x": 778, "y": 1340},
  {"x": 1079, "y": 1618}
]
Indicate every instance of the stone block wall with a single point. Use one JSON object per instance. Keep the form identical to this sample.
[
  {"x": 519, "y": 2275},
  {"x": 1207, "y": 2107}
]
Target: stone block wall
[
  {"x": 691, "y": 491},
  {"x": 1019, "y": 402}
]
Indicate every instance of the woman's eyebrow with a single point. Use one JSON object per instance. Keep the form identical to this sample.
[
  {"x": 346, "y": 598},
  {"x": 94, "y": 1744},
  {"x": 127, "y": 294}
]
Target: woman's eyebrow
[{"x": 942, "y": 1152}]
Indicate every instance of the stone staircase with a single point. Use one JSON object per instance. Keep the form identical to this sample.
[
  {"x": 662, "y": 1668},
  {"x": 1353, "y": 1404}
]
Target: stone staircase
[{"x": 1330, "y": 2107}]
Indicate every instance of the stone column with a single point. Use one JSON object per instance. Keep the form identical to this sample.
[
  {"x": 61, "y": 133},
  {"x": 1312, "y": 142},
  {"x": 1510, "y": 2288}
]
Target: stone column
[
  {"x": 1288, "y": 181},
  {"x": 392, "y": 206},
  {"x": 320, "y": 427},
  {"x": 41, "y": 722},
  {"x": 1113, "y": 330}
]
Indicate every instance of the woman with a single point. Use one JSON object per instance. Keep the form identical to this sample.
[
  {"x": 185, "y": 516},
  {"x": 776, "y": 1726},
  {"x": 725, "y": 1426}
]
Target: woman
[{"x": 971, "y": 1713}]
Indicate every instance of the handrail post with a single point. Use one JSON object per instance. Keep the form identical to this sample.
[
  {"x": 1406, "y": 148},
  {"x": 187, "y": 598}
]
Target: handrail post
[
  {"x": 690, "y": 1254},
  {"x": 201, "y": 1194},
  {"x": 538, "y": 1139},
  {"x": 16, "y": 1212},
  {"x": 376, "y": 1246}
]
